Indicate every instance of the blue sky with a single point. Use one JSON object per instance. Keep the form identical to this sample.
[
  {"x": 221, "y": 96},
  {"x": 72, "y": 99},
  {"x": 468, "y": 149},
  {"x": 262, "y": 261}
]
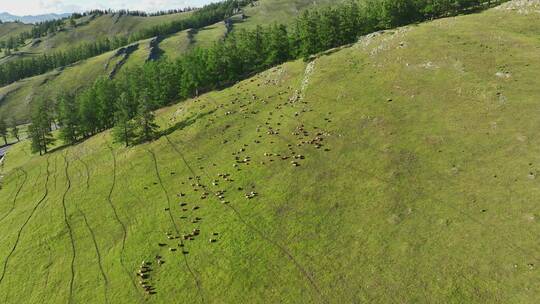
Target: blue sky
[{"x": 34, "y": 7}]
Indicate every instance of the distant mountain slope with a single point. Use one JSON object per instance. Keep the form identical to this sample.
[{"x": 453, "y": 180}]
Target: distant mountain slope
[
  {"x": 90, "y": 27},
  {"x": 8, "y": 29},
  {"x": 402, "y": 169},
  {"x": 279, "y": 11},
  {"x": 7, "y": 17}
]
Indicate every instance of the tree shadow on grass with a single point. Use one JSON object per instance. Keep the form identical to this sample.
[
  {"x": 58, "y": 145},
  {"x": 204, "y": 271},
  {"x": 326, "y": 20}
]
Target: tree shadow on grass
[
  {"x": 185, "y": 123},
  {"x": 60, "y": 148}
]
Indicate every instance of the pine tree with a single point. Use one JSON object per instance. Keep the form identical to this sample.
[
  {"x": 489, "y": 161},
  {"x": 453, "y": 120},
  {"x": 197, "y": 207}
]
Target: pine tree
[
  {"x": 124, "y": 129},
  {"x": 105, "y": 96},
  {"x": 278, "y": 45},
  {"x": 35, "y": 138},
  {"x": 328, "y": 29},
  {"x": 15, "y": 130},
  {"x": 3, "y": 130},
  {"x": 308, "y": 25},
  {"x": 40, "y": 129},
  {"x": 88, "y": 116},
  {"x": 145, "y": 119},
  {"x": 69, "y": 119}
]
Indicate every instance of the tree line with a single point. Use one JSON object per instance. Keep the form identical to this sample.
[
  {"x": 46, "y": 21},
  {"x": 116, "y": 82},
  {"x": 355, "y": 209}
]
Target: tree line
[
  {"x": 22, "y": 68},
  {"x": 44, "y": 28},
  {"x": 37, "y": 31},
  {"x": 126, "y": 102},
  {"x": 10, "y": 128},
  {"x": 136, "y": 13}
]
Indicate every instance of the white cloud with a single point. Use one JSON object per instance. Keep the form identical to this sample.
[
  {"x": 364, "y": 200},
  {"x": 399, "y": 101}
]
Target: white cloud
[{"x": 34, "y": 7}]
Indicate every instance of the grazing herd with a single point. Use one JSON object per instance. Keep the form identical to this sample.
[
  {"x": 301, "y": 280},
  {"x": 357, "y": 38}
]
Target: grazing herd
[{"x": 241, "y": 160}]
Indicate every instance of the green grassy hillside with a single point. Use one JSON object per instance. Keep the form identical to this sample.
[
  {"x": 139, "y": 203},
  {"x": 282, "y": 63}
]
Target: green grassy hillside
[
  {"x": 402, "y": 169},
  {"x": 11, "y": 29},
  {"x": 279, "y": 11},
  {"x": 8, "y": 29},
  {"x": 91, "y": 28},
  {"x": 16, "y": 98}
]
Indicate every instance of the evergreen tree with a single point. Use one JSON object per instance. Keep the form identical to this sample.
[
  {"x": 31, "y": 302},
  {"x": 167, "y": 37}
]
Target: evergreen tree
[
  {"x": 15, "y": 130},
  {"x": 88, "y": 116},
  {"x": 124, "y": 129},
  {"x": 69, "y": 119},
  {"x": 105, "y": 94},
  {"x": 35, "y": 138},
  {"x": 40, "y": 129},
  {"x": 145, "y": 119},
  {"x": 329, "y": 29},
  {"x": 278, "y": 45},
  {"x": 308, "y": 24},
  {"x": 3, "y": 130}
]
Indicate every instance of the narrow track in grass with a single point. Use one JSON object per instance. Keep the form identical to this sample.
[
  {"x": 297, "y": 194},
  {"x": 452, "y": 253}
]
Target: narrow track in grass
[
  {"x": 37, "y": 178},
  {"x": 87, "y": 169},
  {"x": 257, "y": 231},
  {"x": 16, "y": 194},
  {"x": 23, "y": 226},
  {"x": 47, "y": 274},
  {"x": 93, "y": 235},
  {"x": 281, "y": 248},
  {"x": 70, "y": 230},
  {"x": 124, "y": 229},
  {"x": 197, "y": 282},
  {"x": 510, "y": 244},
  {"x": 98, "y": 254},
  {"x": 154, "y": 159},
  {"x": 175, "y": 148},
  {"x": 55, "y": 174}
]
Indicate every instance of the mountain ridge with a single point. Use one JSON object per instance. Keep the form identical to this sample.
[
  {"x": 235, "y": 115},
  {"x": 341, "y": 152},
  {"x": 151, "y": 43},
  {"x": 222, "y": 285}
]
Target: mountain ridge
[{"x": 7, "y": 17}]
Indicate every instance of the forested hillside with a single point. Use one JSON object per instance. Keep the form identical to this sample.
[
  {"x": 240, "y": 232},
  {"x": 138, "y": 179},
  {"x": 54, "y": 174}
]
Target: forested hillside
[
  {"x": 8, "y": 29},
  {"x": 241, "y": 54},
  {"x": 17, "y": 97}
]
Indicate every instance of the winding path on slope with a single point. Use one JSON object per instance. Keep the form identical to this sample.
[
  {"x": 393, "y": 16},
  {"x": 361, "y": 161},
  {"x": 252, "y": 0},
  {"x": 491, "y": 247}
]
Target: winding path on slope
[
  {"x": 197, "y": 281},
  {"x": 16, "y": 194},
  {"x": 263, "y": 236},
  {"x": 23, "y": 226},
  {"x": 70, "y": 230},
  {"x": 124, "y": 229},
  {"x": 93, "y": 235}
]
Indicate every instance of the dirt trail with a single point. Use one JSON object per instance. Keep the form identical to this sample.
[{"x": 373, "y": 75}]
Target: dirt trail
[
  {"x": 305, "y": 82},
  {"x": 21, "y": 229},
  {"x": 93, "y": 235},
  {"x": 197, "y": 281},
  {"x": 16, "y": 194},
  {"x": 87, "y": 170},
  {"x": 98, "y": 253},
  {"x": 124, "y": 229},
  {"x": 70, "y": 230},
  {"x": 281, "y": 248}
]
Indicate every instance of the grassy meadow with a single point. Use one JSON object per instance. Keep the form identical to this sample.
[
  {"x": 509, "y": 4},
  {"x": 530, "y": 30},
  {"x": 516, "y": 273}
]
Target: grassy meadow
[{"x": 402, "y": 169}]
